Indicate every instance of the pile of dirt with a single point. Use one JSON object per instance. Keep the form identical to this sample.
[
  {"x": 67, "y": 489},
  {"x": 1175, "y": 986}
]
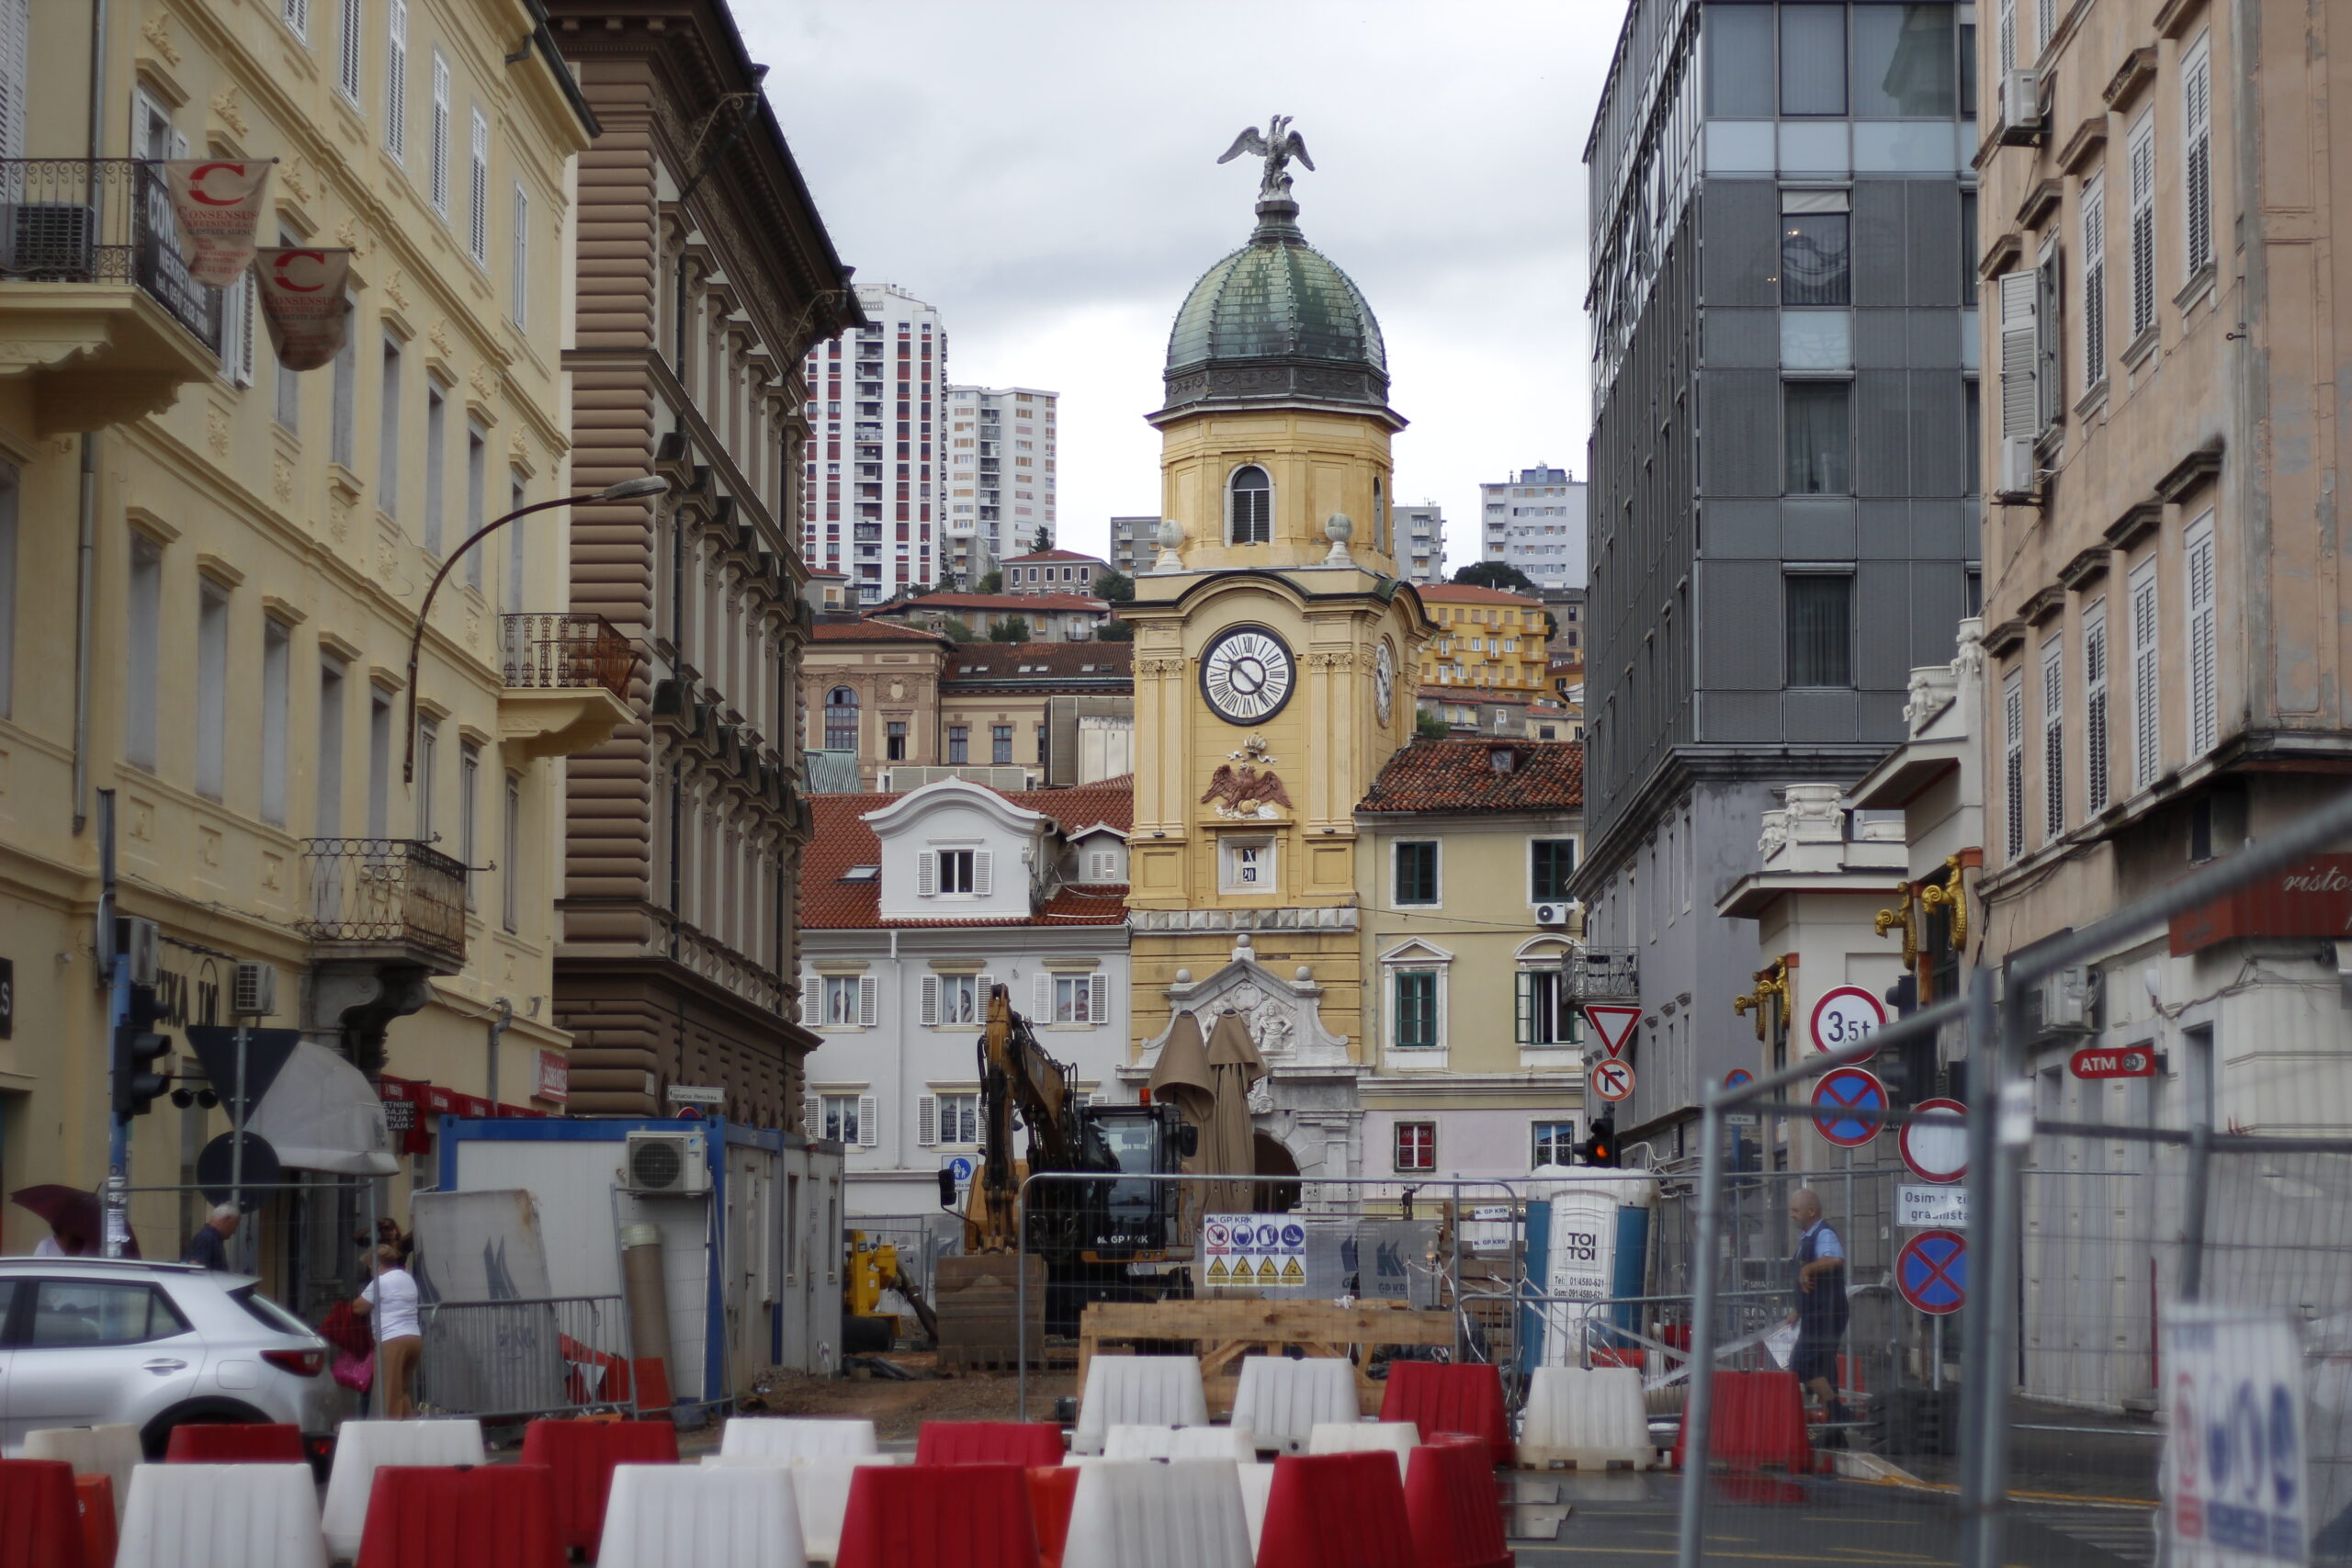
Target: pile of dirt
[{"x": 897, "y": 1408}]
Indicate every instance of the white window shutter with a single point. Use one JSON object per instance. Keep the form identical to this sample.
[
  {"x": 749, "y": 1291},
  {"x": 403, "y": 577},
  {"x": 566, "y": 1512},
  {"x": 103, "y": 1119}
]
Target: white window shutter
[
  {"x": 1045, "y": 1013},
  {"x": 1099, "y": 998},
  {"x": 981, "y": 987},
  {"x": 868, "y": 1132},
  {"x": 813, "y": 1111},
  {"x": 983, "y": 876},
  {"x": 926, "y": 873},
  {"x": 931, "y": 1000},
  {"x": 869, "y": 1001},
  {"x": 927, "y": 1120},
  {"x": 812, "y": 998},
  {"x": 2021, "y": 344}
]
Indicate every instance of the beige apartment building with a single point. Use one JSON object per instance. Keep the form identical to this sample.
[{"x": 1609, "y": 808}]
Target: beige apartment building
[
  {"x": 210, "y": 567},
  {"x": 2166, "y": 627}
]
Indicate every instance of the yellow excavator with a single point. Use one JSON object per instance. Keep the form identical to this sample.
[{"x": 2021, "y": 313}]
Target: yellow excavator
[{"x": 873, "y": 1267}]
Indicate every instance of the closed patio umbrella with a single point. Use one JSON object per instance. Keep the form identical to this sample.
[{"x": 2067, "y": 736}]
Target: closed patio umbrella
[
  {"x": 1180, "y": 1078},
  {"x": 1230, "y": 1147}
]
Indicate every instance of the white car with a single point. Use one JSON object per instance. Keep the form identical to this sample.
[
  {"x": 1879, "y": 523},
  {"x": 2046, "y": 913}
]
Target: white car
[{"x": 86, "y": 1340}]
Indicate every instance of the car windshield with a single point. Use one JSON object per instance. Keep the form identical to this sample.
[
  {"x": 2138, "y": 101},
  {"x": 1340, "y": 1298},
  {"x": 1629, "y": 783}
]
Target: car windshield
[{"x": 268, "y": 1312}]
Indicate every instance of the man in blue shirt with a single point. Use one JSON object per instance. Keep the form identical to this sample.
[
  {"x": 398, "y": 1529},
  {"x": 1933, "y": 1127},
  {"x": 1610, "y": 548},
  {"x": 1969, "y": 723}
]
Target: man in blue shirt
[
  {"x": 1819, "y": 1309},
  {"x": 209, "y": 1247}
]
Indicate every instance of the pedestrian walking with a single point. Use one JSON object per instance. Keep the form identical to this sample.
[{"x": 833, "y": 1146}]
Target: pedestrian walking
[
  {"x": 390, "y": 1303},
  {"x": 1818, "y": 1306},
  {"x": 209, "y": 1247}
]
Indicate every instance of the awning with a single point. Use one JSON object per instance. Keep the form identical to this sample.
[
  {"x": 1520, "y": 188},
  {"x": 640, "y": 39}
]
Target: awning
[{"x": 323, "y": 1114}]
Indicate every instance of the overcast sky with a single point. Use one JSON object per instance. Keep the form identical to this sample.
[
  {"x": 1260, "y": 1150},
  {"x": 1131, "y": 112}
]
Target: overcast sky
[{"x": 1044, "y": 172}]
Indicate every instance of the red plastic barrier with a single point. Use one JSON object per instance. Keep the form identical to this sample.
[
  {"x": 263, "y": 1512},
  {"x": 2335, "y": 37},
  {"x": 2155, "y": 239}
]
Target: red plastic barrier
[
  {"x": 38, "y": 1512},
  {"x": 237, "y": 1442},
  {"x": 579, "y": 1456},
  {"x": 1441, "y": 1397},
  {"x": 1030, "y": 1444},
  {"x": 952, "y": 1516},
  {"x": 1053, "y": 1492},
  {"x": 1456, "y": 1514},
  {"x": 461, "y": 1517},
  {"x": 1337, "y": 1511},
  {"x": 95, "y": 1496},
  {"x": 1758, "y": 1422}
]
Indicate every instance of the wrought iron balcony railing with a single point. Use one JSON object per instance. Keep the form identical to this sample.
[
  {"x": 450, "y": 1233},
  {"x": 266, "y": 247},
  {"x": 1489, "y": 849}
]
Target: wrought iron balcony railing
[
  {"x": 385, "y": 892},
  {"x": 101, "y": 221},
  {"x": 1600, "y": 973},
  {"x": 550, "y": 651}
]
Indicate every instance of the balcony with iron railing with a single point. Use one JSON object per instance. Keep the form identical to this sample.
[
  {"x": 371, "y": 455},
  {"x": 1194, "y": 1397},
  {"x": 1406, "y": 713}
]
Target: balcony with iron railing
[
  {"x": 95, "y": 305},
  {"x": 567, "y": 682},
  {"x": 385, "y": 900}
]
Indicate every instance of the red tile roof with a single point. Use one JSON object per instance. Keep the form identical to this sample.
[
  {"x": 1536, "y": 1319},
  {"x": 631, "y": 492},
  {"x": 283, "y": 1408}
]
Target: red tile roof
[
  {"x": 1457, "y": 776},
  {"x": 1013, "y": 603},
  {"x": 1464, "y": 593},
  {"x": 874, "y": 631},
  {"x": 843, "y": 838},
  {"x": 1036, "y": 556},
  {"x": 1046, "y": 661}
]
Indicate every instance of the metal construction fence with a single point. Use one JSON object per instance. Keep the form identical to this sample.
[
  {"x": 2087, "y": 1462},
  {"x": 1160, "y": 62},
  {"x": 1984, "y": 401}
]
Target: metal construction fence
[{"x": 547, "y": 1356}]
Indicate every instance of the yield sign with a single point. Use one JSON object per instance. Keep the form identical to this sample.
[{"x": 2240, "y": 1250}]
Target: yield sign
[
  {"x": 1848, "y": 1106},
  {"x": 1931, "y": 1271},
  {"x": 1614, "y": 1022},
  {"x": 1613, "y": 1080}
]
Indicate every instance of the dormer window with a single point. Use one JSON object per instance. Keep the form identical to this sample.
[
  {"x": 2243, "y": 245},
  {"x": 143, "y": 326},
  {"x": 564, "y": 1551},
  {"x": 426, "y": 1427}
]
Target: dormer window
[
  {"x": 952, "y": 872},
  {"x": 1250, "y": 507}
]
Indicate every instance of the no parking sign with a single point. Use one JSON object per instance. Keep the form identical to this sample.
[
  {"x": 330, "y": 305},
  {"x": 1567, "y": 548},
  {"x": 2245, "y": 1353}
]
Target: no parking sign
[{"x": 2236, "y": 1485}]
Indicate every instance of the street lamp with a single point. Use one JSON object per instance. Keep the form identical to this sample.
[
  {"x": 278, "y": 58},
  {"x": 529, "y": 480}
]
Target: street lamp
[{"x": 627, "y": 489}]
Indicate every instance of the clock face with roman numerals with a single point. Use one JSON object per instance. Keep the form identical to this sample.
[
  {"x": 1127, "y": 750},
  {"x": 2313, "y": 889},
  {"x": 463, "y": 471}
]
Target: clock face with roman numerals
[
  {"x": 1384, "y": 681},
  {"x": 1246, "y": 675}
]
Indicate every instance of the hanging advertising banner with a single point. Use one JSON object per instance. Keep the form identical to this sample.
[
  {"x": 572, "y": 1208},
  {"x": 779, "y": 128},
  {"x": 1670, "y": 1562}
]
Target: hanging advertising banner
[
  {"x": 303, "y": 300},
  {"x": 217, "y": 203}
]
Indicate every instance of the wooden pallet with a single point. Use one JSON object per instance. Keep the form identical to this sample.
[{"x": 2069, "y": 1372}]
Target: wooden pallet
[{"x": 1222, "y": 1331}]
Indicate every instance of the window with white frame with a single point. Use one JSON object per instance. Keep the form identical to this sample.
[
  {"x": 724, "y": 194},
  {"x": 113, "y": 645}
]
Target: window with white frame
[
  {"x": 1416, "y": 999},
  {"x": 956, "y": 1001},
  {"x": 950, "y": 1120},
  {"x": 1553, "y": 1142},
  {"x": 2147, "y": 739},
  {"x": 2095, "y": 754},
  {"x": 2197, "y": 153},
  {"x": 436, "y": 149},
  {"x": 1416, "y": 876},
  {"x": 2140, "y": 159},
  {"x": 1249, "y": 506},
  {"x": 2204, "y": 651},
  {"x": 1416, "y": 1147},
  {"x": 848, "y": 1119},
  {"x": 2006, "y": 35},
  {"x": 478, "y": 191},
  {"x": 847, "y": 1001},
  {"x": 519, "y": 285},
  {"x": 1246, "y": 865},
  {"x": 954, "y": 872},
  {"x": 298, "y": 17},
  {"x": 1082, "y": 1000},
  {"x": 142, "y": 651},
  {"x": 1546, "y": 1015},
  {"x": 349, "y": 44},
  {"x": 396, "y": 80},
  {"x": 2094, "y": 212},
  {"x": 2013, "y": 761},
  {"x": 2053, "y": 738}
]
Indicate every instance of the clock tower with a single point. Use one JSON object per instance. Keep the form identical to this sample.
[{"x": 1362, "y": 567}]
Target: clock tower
[{"x": 1275, "y": 661}]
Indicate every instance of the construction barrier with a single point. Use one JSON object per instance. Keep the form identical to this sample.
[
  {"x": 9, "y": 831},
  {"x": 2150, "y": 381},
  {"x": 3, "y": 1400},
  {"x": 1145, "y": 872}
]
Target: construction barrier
[
  {"x": 1456, "y": 1515},
  {"x": 362, "y": 1448},
  {"x": 1758, "y": 1424},
  {"x": 1188, "y": 1513},
  {"x": 667, "y": 1516},
  {"x": 1398, "y": 1437},
  {"x": 94, "y": 1494},
  {"x": 1257, "y": 1482},
  {"x": 1024, "y": 1443},
  {"x": 820, "y": 1486},
  {"x": 240, "y": 1515},
  {"x": 110, "y": 1451},
  {"x": 235, "y": 1442},
  {"x": 40, "y": 1513},
  {"x": 1335, "y": 1511},
  {"x": 1235, "y": 1443},
  {"x": 499, "y": 1515},
  {"x": 1137, "y": 1391},
  {"x": 1439, "y": 1397},
  {"x": 1584, "y": 1420},
  {"x": 950, "y": 1515},
  {"x": 1052, "y": 1490},
  {"x": 579, "y": 1457},
  {"x": 788, "y": 1436},
  {"x": 1281, "y": 1400}
]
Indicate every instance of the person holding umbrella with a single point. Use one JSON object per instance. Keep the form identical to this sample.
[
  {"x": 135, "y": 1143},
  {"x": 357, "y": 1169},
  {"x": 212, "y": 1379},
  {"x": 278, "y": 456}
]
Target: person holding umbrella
[{"x": 76, "y": 1221}]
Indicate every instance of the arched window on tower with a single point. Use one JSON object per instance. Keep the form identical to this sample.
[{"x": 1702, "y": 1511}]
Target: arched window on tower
[
  {"x": 1380, "y": 540},
  {"x": 1249, "y": 506},
  {"x": 840, "y": 719}
]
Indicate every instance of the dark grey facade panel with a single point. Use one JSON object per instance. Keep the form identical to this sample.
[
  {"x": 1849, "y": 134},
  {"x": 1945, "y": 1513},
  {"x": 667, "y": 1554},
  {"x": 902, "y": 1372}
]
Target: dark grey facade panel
[
  {"x": 1736, "y": 529},
  {"x": 1938, "y": 595},
  {"x": 1817, "y": 528},
  {"x": 1818, "y": 717},
  {"x": 1935, "y": 340},
  {"x": 1740, "y": 717},
  {"x": 1740, "y": 625},
  {"x": 1742, "y": 222},
  {"x": 1886, "y": 531},
  {"x": 1882, "y": 626},
  {"x": 1882, "y": 340},
  {"x": 1882, "y": 433},
  {"x": 1880, "y": 265},
  {"x": 1939, "y": 433},
  {"x": 1740, "y": 340},
  {"x": 1882, "y": 716},
  {"x": 1933, "y": 208},
  {"x": 1739, "y": 421},
  {"x": 1944, "y": 530}
]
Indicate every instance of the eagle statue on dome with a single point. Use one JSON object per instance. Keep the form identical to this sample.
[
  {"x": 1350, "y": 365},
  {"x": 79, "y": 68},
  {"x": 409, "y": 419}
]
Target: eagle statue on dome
[{"x": 1278, "y": 144}]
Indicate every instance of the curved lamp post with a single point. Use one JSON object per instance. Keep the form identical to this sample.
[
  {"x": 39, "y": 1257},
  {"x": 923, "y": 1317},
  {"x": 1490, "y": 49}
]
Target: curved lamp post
[{"x": 627, "y": 489}]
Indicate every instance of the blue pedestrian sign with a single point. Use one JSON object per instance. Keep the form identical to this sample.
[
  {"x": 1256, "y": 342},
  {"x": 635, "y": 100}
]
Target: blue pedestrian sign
[
  {"x": 1931, "y": 1271},
  {"x": 1849, "y": 1107},
  {"x": 960, "y": 1165}
]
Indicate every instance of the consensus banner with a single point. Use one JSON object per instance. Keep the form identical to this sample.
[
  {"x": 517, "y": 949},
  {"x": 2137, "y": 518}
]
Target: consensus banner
[
  {"x": 303, "y": 300},
  {"x": 219, "y": 205}
]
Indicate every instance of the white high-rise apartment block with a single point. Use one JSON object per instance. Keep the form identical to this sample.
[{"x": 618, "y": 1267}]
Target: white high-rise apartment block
[
  {"x": 873, "y": 484},
  {"x": 999, "y": 474},
  {"x": 1420, "y": 542},
  {"x": 1534, "y": 521}
]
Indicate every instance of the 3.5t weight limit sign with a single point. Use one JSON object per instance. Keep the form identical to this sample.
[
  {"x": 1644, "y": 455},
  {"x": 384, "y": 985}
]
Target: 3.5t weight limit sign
[
  {"x": 1844, "y": 1016},
  {"x": 1612, "y": 1080}
]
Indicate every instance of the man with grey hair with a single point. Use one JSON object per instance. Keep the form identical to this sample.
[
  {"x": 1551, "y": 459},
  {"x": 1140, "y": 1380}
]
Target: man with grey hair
[
  {"x": 209, "y": 1247},
  {"x": 1819, "y": 1309}
]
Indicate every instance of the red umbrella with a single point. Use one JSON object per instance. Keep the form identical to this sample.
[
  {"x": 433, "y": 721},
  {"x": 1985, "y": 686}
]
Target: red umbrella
[{"x": 77, "y": 1217}]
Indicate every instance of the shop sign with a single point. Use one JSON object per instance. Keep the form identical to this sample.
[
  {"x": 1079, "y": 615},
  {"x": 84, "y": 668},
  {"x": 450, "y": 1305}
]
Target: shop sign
[
  {"x": 555, "y": 1078},
  {"x": 2312, "y": 899}
]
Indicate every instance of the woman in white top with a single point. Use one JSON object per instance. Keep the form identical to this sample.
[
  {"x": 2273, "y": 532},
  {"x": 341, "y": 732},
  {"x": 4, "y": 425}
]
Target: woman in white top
[{"x": 390, "y": 1299}]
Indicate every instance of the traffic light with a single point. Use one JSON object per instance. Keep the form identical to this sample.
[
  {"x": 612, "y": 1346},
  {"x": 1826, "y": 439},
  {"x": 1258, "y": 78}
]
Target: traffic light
[
  {"x": 137, "y": 1048},
  {"x": 1601, "y": 1148}
]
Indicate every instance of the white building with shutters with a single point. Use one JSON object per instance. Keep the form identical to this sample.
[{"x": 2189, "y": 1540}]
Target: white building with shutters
[{"x": 913, "y": 905}]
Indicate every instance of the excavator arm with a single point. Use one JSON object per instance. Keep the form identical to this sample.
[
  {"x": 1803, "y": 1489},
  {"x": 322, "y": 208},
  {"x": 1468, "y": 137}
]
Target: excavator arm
[{"x": 1017, "y": 1076}]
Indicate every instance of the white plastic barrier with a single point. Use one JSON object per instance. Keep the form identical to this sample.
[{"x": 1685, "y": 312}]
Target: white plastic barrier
[
  {"x": 1586, "y": 1418},
  {"x": 1235, "y": 1443},
  {"x": 1357, "y": 1436},
  {"x": 1281, "y": 1400},
  {"x": 665, "y": 1515},
  {"x": 819, "y": 1488},
  {"x": 1187, "y": 1513},
  {"x": 361, "y": 1448},
  {"x": 223, "y": 1516},
  {"x": 1143, "y": 1390},
  {"x": 790, "y": 1436},
  {"x": 111, "y": 1450},
  {"x": 1257, "y": 1485}
]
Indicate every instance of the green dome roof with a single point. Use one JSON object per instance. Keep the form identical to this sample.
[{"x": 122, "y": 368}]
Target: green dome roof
[{"x": 1276, "y": 319}]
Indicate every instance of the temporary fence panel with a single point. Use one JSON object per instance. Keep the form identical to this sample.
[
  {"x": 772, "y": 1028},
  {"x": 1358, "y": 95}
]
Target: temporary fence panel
[{"x": 524, "y": 1357}]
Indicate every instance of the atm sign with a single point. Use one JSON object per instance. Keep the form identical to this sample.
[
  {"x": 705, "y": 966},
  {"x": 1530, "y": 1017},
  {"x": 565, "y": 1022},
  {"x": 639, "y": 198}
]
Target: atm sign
[{"x": 2114, "y": 1062}]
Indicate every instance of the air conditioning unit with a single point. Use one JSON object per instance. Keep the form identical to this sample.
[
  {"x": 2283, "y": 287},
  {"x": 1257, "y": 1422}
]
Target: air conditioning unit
[
  {"x": 2018, "y": 467},
  {"x": 2018, "y": 107},
  {"x": 667, "y": 1164},
  {"x": 252, "y": 990},
  {"x": 1554, "y": 914},
  {"x": 48, "y": 240},
  {"x": 2063, "y": 1002}
]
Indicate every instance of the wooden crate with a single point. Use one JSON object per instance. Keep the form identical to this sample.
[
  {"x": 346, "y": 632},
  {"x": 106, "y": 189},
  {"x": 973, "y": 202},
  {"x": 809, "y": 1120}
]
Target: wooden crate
[
  {"x": 976, "y": 1301},
  {"x": 1222, "y": 1331}
]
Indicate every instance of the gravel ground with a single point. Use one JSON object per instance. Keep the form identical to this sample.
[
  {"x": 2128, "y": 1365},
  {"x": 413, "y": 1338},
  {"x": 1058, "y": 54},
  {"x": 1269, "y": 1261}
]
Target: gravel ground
[{"x": 897, "y": 1408}]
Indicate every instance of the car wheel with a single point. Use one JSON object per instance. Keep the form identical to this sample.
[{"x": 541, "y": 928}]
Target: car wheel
[{"x": 156, "y": 1437}]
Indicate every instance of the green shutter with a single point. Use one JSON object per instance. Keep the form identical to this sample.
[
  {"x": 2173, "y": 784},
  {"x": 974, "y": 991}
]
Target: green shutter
[{"x": 1526, "y": 1008}]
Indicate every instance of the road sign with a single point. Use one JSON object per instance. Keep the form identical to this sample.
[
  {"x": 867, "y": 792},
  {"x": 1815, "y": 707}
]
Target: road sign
[
  {"x": 2235, "y": 1482},
  {"x": 1936, "y": 1150},
  {"x": 1614, "y": 1022},
  {"x": 1737, "y": 1076},
  {"x": 1844, "y": 1015},
  {"x": 960, "y": 1166},
  {"x": 1612, "y": 1080},
  {"x": 1931, "y": 1208},
  {"x": 2110, "y": 1062},
  {"x": 696, "y": 1094},
  {"x": 217, "y": 1165},
  {"x": 1931, "y": 1271},
  {"x": 1846, "y": 1103}
]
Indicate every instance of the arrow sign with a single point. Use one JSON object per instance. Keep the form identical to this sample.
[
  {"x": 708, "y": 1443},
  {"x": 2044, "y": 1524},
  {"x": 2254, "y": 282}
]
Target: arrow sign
[
  {"x": 1848, "y": 1106},
  {"x": 1614, "y": 1023},
  {"x": 1936, "y": 1150},
  {"x": 1931, "y": 1271},
  {"x": 1613, "y": 1080},
  {"x": 2110, "y": 1062}
]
